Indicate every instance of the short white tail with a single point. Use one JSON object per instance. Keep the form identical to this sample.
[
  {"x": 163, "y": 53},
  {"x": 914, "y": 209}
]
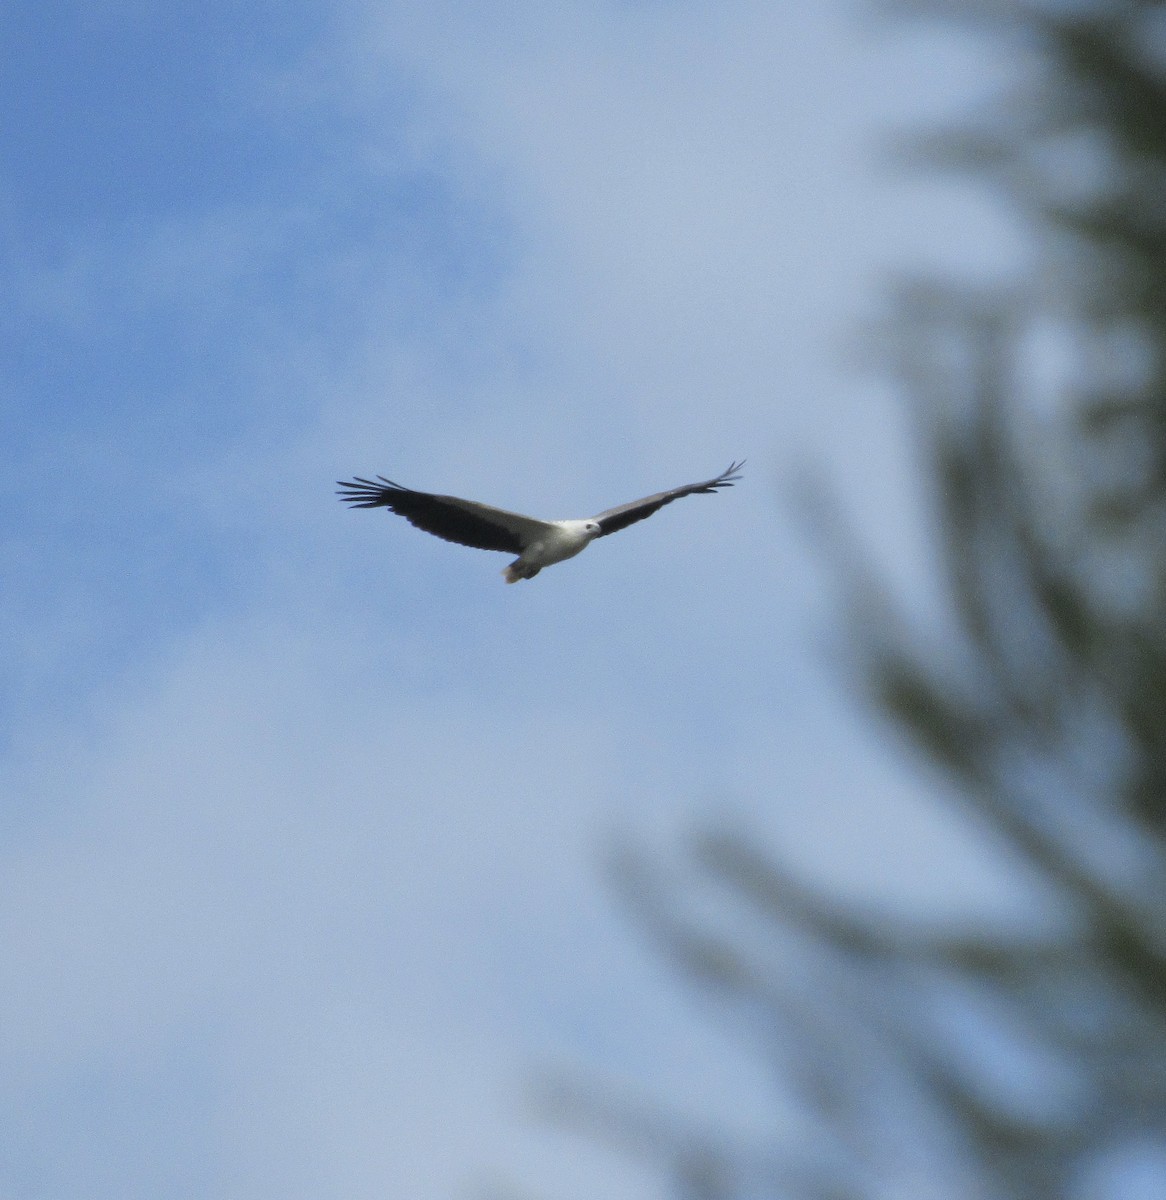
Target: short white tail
[{"x": 520, "y": 570}]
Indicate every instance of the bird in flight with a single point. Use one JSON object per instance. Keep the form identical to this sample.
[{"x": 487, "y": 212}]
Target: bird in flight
[{"x": 537, "y": 543}]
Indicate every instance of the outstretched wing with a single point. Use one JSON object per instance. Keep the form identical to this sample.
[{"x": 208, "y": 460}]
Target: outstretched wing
[
  {"x": 463, "y": 521},
  {"x": 615, "y": 519}
]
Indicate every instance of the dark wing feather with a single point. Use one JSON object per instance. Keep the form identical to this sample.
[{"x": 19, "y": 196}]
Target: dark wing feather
[
  {"x": 615, "y": 519},
  {"x": 463, "y": 521}
]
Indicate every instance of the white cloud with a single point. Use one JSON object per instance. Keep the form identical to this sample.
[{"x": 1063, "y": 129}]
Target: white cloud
[{"x": 375, "y": 899}]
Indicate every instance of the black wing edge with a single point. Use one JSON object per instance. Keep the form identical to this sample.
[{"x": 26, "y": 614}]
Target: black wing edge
[
  {"x": 726, "y": 478},
  {"x": 444, "y": 516},
  {"x": 617, "y": 519},
  {"x": 364, "y": 493}
]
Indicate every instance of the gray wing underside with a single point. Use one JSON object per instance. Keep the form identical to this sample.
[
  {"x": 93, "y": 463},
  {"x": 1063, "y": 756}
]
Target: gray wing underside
[
  {"x": 615, "y": 519},
  {"x": 450, "y": 517}
]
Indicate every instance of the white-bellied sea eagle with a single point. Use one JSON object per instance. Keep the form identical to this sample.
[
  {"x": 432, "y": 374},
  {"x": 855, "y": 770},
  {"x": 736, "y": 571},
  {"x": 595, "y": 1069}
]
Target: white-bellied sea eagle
[{"x": 537, "y": 543}]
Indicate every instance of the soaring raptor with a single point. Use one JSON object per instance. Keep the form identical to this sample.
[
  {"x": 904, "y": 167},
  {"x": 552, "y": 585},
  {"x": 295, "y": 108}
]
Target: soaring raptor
[{"x": 537, "y": 543}]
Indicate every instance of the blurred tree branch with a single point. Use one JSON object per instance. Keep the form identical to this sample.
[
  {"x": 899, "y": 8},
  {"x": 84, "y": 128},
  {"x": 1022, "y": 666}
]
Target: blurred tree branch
[{"x": 1043, "y": 700}]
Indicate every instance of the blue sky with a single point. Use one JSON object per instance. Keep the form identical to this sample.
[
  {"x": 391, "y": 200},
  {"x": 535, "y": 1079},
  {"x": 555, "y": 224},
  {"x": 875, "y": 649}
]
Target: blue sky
[{"x": 304, "y": 812}]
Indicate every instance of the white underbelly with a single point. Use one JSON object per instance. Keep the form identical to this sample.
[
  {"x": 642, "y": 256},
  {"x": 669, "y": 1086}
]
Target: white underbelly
[{"x": 555, "y": 549}]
